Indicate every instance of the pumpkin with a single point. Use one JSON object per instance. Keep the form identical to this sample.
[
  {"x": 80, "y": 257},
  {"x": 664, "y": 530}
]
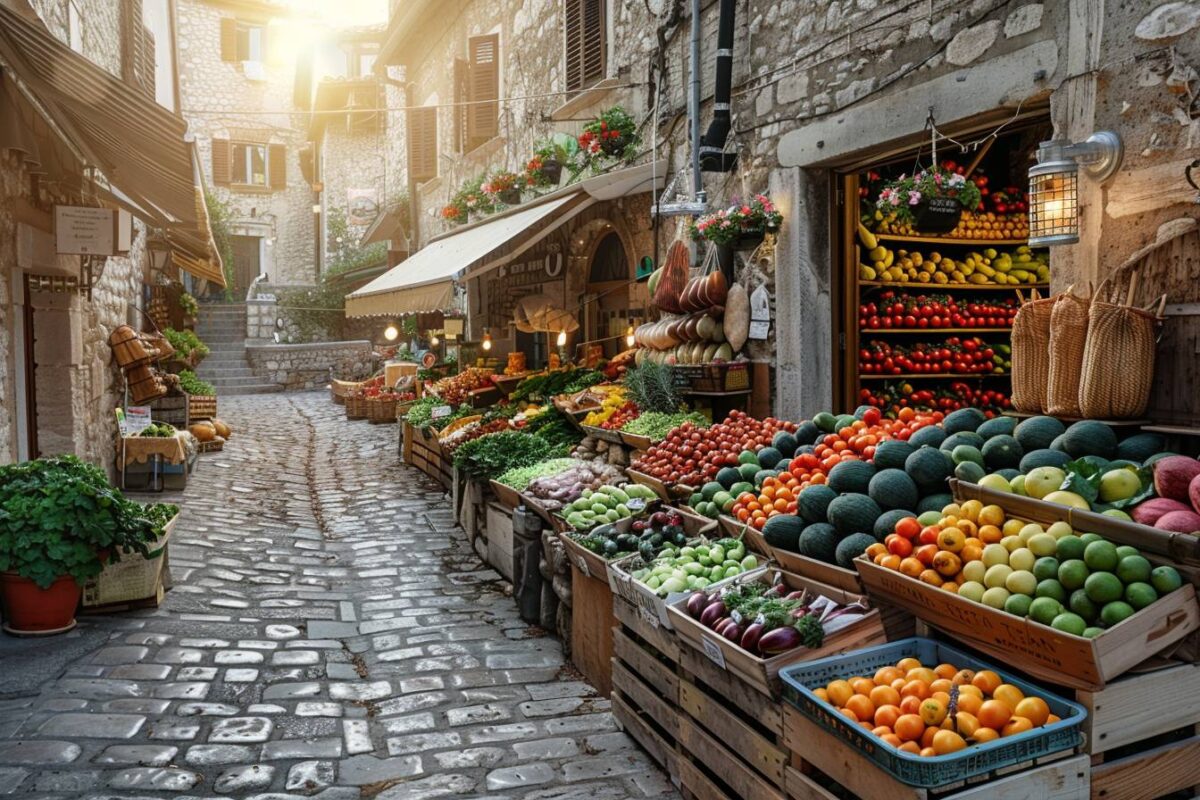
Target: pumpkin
[
  {"x": 222, "y": 429},
  {"x": 203, "y": 431}
]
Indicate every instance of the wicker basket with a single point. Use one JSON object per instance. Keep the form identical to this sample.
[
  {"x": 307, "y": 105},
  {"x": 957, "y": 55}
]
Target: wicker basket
[
  {"x": 145, "y": 384},
  {"x": 1068, "y": 334},
  {"x": 381, "y": 410},
  {"x": 340, "y": 390},
  {"x": 356, "y": 407},
  {"x": 127, "y": 347},
  {"x": 1118, "y": 360},
  {"x": 1031, "y": 354},
  {"x": 133, "y": 578}
]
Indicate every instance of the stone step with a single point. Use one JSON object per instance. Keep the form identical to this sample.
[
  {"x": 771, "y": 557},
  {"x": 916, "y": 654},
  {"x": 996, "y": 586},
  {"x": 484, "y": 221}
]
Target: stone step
[
  {"x": 264, "y": 388},
  {"x": 221, "y": 383},
  {"x": 223, "y": 339},
  {"x": 222, "y": 361},
  {"x": 221, "y": 373}
]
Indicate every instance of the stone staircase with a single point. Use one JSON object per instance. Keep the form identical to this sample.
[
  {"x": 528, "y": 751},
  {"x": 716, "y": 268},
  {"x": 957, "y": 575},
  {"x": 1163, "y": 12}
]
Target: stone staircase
[{"x": 222, "y": 326}]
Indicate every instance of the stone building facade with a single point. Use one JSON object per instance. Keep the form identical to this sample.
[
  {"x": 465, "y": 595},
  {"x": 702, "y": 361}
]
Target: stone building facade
[
  {"x": 237, "y": 71},
  {"x": 53, "y": 326},
  {"x": 818, "y": 87}
]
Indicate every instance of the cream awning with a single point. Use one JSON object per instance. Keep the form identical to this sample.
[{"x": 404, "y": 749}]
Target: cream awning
[
  {"x": 424, "y": 282},
  {"x": 408, "y": 287}
]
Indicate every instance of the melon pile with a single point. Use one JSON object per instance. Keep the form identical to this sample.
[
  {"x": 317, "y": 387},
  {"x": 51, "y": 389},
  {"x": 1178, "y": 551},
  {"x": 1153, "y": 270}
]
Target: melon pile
[{"x": 1177, "y": 507}]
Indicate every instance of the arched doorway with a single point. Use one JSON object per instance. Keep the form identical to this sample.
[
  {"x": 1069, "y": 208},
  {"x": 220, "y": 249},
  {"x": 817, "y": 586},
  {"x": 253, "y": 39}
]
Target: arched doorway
[{"x": 609, "y": 274}]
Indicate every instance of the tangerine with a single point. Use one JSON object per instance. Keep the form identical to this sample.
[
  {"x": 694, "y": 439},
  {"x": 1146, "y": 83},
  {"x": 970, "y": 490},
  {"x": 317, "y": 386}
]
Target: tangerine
[
  {"x": 891, "y": 739},
  {"x": 994, "y": 714},
  {"x": 927, "y": 736},
  {"x": 922, "y": 674},
  {"x": 928, "y": 752},
  {"x": 911, "y": 704},
  {"x": 947, "y": 741},
  {"x": 1016, "y": 725},
  {"x": 983, "y": 735},
  {"x": 885, "y": 675},
  {"x": 1009, "y": 695},
  {"x": 848, "y": 714},
  {"x": 839, "y": 692},
  {"x": 862, "y": 686},
  {"x": 986, "y": 681},
  {"x": 911, "y": 567},
  {"x": 944, "y": 670},
  {"x": 884, "y": 696},
  {"x": 963, "y": 676},
  {"x": 967, "y": 688},
  {"x": 1053, "y": 718},
  {"x": 915, "y": 688},
  {"x": 887, "y": 715},
  {"x": 941, "y": 685},
  {"x": 969, "y": 702},
  {"x": 862, "y": 706},
  {"x": 933, "y": 711},
  {"x": 911, "y": 747},
  {"x": 1033, "y": 709},
  {"x": 931, "y": 577},
  {"x": 909, "y": 727},
  {"x": 906, "y": 664},
  {"x": 966, "y": 723}
]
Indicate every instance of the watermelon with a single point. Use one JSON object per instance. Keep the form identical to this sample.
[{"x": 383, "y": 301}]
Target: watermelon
[
  {"x": 1036, "y": 433},
  {"x": 891, "y": 453},
  {"x": 853, "y": 513},
  {"x": 929, "y": 468},
  {"x": 929, "y": 436},
  {"x": 814, "y": 502},
  {"x": 851, "y": 548},
  {"x": 1002, "y": 452},
  {"x": 851, "y": 476},
  {"x": 1090, "y": 438},
  {"x": 893, "y": 489},
  {"x": 783, "y": 531},
  {"x": 819, "y": 541},
  {"x": 965, "y": 419},
  {"x": 997, "y": 426}
]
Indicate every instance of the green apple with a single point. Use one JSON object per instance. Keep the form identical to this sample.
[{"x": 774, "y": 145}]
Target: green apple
[
  {"x": 1119, "y": 484},
  {"x": 994, "y": 554},
  {"x": 1068, "y": 499},
  {"x": 1041, "y": 481},
  {"x": 972, "y": 590},
  {"x": 973, "y": 571},
  {"x": 995, "y": 597},
  {"x": 997, "y": 575}
]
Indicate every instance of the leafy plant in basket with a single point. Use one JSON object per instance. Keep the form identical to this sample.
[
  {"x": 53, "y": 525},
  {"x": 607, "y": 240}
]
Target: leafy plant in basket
[
  {"x": 932, "y": 200},
  {"x": 549, "y": 157},
  {"x": 501, "y": 187},
  {"x": 612, "y": 136}
]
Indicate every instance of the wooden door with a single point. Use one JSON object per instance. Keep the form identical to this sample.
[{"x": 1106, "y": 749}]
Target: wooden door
[{"x": 247, "y": 261}]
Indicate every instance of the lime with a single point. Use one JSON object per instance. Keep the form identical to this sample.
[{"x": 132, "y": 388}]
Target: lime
[
  {"x": 974, "y": 571},
  {"x": 1139, "y": 595},
  {"x": 1069, "y": 623},
  {"x": 1082, "y": 605},
  {"x": 994, "y": 554},
  {"x": 930, "y": 518},
  {"x": 972, "y": 590},
  {"x": 1124, "y": 550},
  {"x": 1045, "y": 567},
  {"x": 1092, "y": 633},
  {"x": 1070, "y": 547},
  {"x": 1116, "y": 612},
  {"x": 995, "y": 597},
  {"x": 1052, "y": 589},
  {"x": 1165, "y": 579},
  {"x": 1088, "y": 538},
  {"x": 1021, "y": 582},
  {"x": 1022, "y": 559},
  {"x": 1044, "y": 610},
  {"x": 1101, "y": 555},
  {"x": 1073, "y": 573},
  {"x": 1042, "y": 544},
  {"x": 1103, "y": 587},
  {"x": 1133, "y": 569},
  {"x": 997, "y": 575},
  {"x": 1016, "y": 604}
]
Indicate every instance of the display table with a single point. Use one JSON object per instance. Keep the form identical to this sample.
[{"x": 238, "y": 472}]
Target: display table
[{"x": 163, "y": 455}]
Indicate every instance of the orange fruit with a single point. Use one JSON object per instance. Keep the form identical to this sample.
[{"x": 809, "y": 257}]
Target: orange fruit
[
  {"x": 971, "y": 552},
  {"x": 947, "y": 742},
  {"x": 990, "y": 534},
  {"x": 922, "y": 674},
  {"x": 927, "y": 737},
  {"x": 941, "y": 685},
  {"x": 941, "y": 697},
  {"x": 928, "y": 752},
  {"x": 911, "y": 704},
  {"x": 1053, "y": 718},
  {"x": 906, "y": 664},
  {"x": 884, "y": 696},
  {"x": 945, "y": 670},
  {"x": 947, "y": 564},
  {"x": 887, "y": 715},
  {"x": 867, "y": 726},
  {"x": 822, "y": 694},
  {"x": 969, "y": 703},
  {"x": 862, "y": 686},
  {"x": 967, "y": 528},
  {"x": 1016, "y": 725},
  {"x": 983, "y": 735},
  {"x": 930, "y": 576},
  {"x": 994, "y": 714},
  {"x": 1033, "y": 709},
  {"x": 967, "y": 688},
  {"x": 877, "y": 549},
  {"x": 862, "y": 706},
  {"x": 891, "y": 739},
  {"x": 911, "y": 567},
  {"x": 949, "y": 586},
  {"x": 911, "y": 747},
  {"x": 881, "y": 730},
  {"x": 848, "y": 714},
  {"x": 1009, "y": 695},
  {"x": 885, "y": 675},
  {"x": 909, "y": 727},
  {"x": 839, "y": 692},
  {"x": 966, "y": 723},
  {"x": 891, "y": 562},
  {"x": 986, "y": 681},
  {"x": 915, "y": 688},
  {"x": 898, "y": 684},
  {"x": 963, "y": 676},
  {"x": 932, "y": 711},
  {"x": 952, "y": 540}
]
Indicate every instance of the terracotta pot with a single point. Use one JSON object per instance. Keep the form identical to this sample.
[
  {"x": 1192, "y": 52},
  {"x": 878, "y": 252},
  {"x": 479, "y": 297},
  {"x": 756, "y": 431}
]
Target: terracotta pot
[{"x": 28, "y": 608}]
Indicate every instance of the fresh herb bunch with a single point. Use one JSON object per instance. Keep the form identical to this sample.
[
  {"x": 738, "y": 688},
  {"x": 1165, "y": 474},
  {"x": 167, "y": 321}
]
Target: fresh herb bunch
[
  {"x": 652, "y": 387},
  {"x": 520, "y": 477},
  {"x": 497, "y": 453},
  {"x": 656, "y": 425},
  {"x": 555, "y": 429},
  {"x": 193, "y": 385},
  {"x": 563, "y": 381},
  {"x": 186, "y": 343},
  {"x": 57, "y": 514},
  {"x": 420, "y": 414}
]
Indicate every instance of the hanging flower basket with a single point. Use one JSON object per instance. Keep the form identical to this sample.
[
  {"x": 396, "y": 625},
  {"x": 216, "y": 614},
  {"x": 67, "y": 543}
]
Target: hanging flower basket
[
  {"x": 510, "y": 197},
  {"x": 931, "y": 201},
  {"x": 937, "y": 215},
  {"x": 552, "y": 170}
]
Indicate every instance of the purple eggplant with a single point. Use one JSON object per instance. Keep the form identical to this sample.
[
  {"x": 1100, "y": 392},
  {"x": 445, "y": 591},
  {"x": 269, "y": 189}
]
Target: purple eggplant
[
  {"x": 696, "y": 604},
  {"x": 723, "y": 625},
  {"x": 779, "y": 640},
  {"x": 712, "y": 612},
  {"x": 733, "y": 633},
  {"x": 750, "y": 637}
]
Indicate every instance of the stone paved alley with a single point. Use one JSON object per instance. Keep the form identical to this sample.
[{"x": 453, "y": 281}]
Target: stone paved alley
[{"x": 330, "y": 634}]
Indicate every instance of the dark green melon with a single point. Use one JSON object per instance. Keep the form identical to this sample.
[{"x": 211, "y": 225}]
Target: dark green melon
[
  {"x": 851, "y": 476},
  {"x": 814, "y": 503},
  {"x": 892, "y": 489}
]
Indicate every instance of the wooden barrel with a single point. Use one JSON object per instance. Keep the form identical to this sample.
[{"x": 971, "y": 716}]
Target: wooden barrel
[
  {"x": 127, "y": 347},
  {"x": 144, "y": 384}
]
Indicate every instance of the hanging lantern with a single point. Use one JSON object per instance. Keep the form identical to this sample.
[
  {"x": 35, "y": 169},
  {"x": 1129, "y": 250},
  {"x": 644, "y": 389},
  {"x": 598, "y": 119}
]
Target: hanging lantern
[
  {"x": 630, "y": 341},
  {"x": 1054, "y": 184},
  {"x": 487, "y": 340},
  {"x": 391, "y": 332},
  {"x": 561, "y": 341}
]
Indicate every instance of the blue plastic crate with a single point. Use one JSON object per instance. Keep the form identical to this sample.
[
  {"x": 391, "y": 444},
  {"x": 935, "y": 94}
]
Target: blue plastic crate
[{"x": 936, "y": 770}]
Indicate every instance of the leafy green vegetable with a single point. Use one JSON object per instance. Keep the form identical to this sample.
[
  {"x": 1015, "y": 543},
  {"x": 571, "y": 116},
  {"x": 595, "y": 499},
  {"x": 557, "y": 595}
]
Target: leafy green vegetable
[
  {"x": 563, "y": 381},
  {"x": 186, "y": 343},
  {"x": 497, "y": 453},
  {"x": 420, "y": 414},
  {"x": 1083, "y": 478},
  {"x": 651, "y": 387},
  {"x": 520, "y": 477},
  {"x": 656, "y": 425},
  {"x": 193, "y": 385}
]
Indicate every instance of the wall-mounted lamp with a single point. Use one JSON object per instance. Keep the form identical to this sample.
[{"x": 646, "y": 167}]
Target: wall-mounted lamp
[
  {"x": 487, "y": 340},
  {"x": 630, "y": 341},
  {"x": 561, "y": 341},
  {"x": 434, "y": 340},
  {"x": 316, "y": 208},
  {"x": 159, "y": 250},
  {"x": 391, "y": 332},
  {"x": 1054, "y": 184}
]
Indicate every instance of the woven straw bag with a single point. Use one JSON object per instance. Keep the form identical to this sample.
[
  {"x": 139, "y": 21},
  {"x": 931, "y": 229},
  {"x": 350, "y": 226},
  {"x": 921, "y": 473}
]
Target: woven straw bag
[
  {"x": 1031, "y": 354},
  {"x": 1118, "y": 360},
  {"x": 1068, "y": 335}
]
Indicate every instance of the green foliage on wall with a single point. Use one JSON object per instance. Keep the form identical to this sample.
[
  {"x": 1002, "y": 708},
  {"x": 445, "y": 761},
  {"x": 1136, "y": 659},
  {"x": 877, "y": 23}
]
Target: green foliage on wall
[{"x": 218, "y": 222}]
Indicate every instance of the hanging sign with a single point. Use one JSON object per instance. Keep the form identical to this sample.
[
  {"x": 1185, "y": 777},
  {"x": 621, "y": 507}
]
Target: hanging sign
[
  {"x": 83, "y": 231},
  {"x": 760, "y": 313}
]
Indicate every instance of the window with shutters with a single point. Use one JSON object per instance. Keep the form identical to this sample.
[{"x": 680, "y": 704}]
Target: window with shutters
[
  {"x": 422, "y": 144},
  {"x": 585, "y": 38},
  {"x": 242, "y": 40},
  {"x": 483, "y": 113},
  {"x": 248, "y": 164}
]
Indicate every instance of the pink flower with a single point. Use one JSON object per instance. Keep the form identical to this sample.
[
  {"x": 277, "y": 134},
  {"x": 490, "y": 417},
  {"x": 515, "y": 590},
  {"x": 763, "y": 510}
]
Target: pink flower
[
  {"x": 745, "y": 209},
  {"x": 914, "y": 197}
]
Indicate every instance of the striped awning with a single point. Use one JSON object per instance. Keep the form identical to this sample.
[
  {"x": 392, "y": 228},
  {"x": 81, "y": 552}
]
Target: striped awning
[{"x": 137, "y": 144}]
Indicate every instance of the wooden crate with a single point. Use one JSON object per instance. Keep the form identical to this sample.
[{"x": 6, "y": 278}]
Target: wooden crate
[
  {"x": 825, "y": 766},
  {"x": 603, "y": 434},
  {"x": 597, "y": 565},
  {"x": 592, "y": 624},
  {"x": 1040, "y": 650},
  {"x": 499, "y": 527},
  {"x": 636, "y": 442},
  {"x": 426, "y": 455},
  {"x": 763, "y": 673},
  {"x": 201, "y": 407},
  {"x": 506, "y": 495},
  {"x": 830, "y": 574}
]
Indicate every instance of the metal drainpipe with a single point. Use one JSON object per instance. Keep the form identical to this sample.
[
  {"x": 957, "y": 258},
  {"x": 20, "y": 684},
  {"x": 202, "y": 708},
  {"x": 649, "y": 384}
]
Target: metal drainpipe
[{"x": 694, "y": 101}]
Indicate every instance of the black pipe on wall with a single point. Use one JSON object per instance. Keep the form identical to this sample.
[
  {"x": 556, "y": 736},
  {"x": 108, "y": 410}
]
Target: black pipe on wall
[{"x": 713, "y": 157}]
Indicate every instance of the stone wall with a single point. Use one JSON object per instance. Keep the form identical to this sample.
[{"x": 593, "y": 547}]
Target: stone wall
[
  {"x": 216, "y": 96},
  {"x": 309, "y": 366}
]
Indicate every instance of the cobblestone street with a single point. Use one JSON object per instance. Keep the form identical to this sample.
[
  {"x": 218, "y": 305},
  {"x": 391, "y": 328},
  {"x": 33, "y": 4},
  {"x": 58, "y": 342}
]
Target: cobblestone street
[{"x": 330, "y": 634}]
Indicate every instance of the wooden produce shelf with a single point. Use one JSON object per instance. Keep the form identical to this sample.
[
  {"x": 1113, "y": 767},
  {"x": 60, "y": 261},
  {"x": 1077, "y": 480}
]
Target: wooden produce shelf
[
  {"x": 896, "y": 237},
  {"x": 592, "y": 624},
  {"x": 951, "y": 331},
  {"x": 934, "y": 375},
  {"x": 1115, "y": 423},
  {"x": 955, "y": 286}
]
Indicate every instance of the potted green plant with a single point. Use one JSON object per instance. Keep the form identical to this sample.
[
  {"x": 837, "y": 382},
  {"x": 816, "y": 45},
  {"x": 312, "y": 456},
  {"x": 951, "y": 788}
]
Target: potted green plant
[
  {"x": 60, "y": 522},
  {"x": 501, "y": 187},
  {"x": 612, "y": 136},
  {"x": 545, "y": 168},
  {"x": 931, "y": 200}
]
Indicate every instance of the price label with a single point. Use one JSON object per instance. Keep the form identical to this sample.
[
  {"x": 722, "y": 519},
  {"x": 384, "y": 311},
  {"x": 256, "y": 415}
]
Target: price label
[
  {"x": 136, "y": 420},
  {"x": 713, "y": 651},
  {"x": 759, "y": 329},
  {"x": 440, "y": 412}
]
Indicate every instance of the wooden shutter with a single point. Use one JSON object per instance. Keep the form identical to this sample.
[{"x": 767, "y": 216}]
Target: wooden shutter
[
  {"x": 229, "y": 39},
  {"x": 585, "y": 41},
  {"x": 277, "y": 165},
  {"x": 422, "y": 144},
  {"x": 147, "y": 77},
  {"x": 483, "y": 117},
  {"x": 462, "y": 96},
  {"x": 221, "y": 167}
]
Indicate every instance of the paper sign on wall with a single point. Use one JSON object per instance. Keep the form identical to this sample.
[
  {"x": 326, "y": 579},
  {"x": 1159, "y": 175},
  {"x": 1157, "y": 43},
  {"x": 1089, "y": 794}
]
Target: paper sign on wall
[
  {"x": 760, "y": 313},
  {"x": 136, "y": 420}
]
